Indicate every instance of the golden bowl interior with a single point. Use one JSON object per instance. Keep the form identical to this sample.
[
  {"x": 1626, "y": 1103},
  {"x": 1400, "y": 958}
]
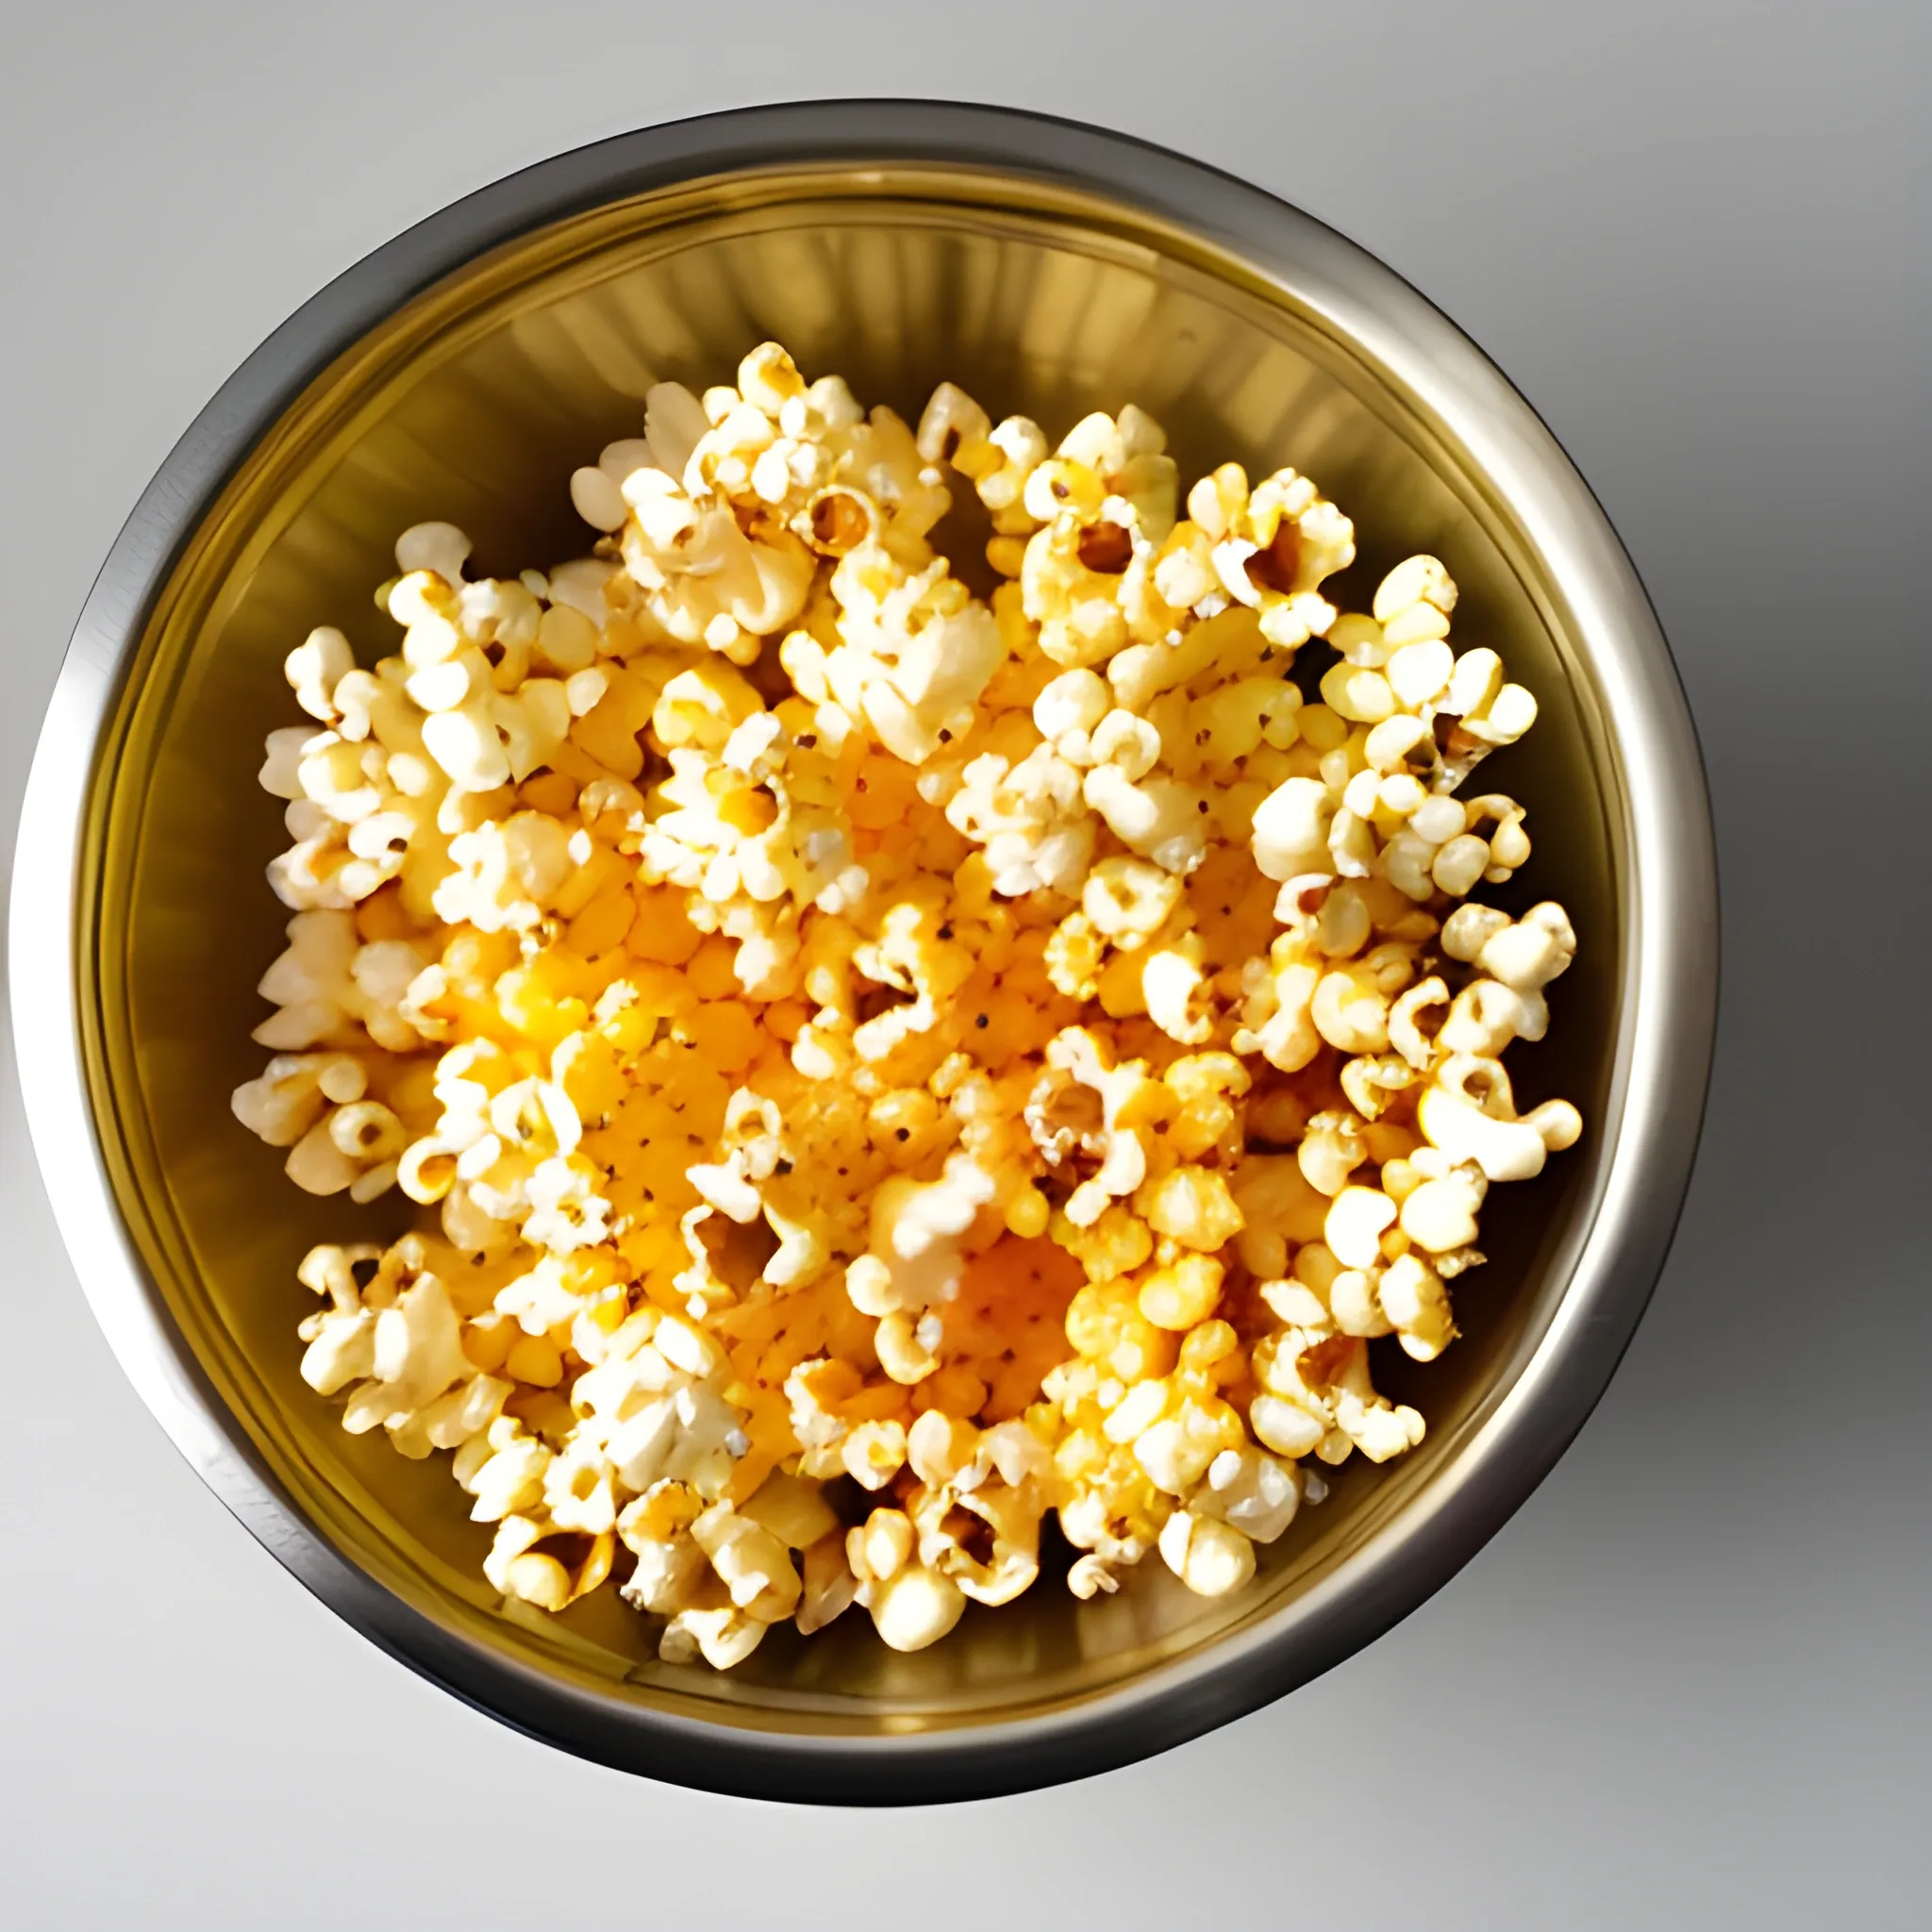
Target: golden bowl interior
[{"x": 473, "y": 404}]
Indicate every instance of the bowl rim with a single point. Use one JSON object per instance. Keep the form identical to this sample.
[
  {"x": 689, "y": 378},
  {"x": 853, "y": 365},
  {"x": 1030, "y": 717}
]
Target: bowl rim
[{"x": 1670, "y": 950}]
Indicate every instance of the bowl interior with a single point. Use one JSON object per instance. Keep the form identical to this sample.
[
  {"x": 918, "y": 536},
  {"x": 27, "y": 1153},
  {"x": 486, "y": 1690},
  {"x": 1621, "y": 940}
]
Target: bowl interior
[{"x": 473, "y": 404}]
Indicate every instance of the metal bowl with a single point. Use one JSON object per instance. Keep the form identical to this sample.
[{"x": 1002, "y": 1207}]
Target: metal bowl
[{"x": 460, "y": 372}]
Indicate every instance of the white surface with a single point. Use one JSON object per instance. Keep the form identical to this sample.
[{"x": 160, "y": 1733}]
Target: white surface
[{"x": 1687, "y": 1684}]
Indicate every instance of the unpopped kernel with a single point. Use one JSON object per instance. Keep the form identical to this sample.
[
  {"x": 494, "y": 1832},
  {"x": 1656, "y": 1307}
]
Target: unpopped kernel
[{"x": 879, "y": 1064}]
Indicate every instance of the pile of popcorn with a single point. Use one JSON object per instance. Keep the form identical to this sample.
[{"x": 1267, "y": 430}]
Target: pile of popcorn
[{"x": 879, "y": 1064}]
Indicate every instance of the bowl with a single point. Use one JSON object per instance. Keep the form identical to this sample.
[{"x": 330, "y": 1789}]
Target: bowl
[{"x": 460, "y": 372}]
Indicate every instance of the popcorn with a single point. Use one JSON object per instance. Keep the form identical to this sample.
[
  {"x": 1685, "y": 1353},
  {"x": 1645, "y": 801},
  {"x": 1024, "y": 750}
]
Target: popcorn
[
  {"x": 1272, "y": 548},
  {"x": 1210, "y": 1556},
  {"x": 550, "y": 1578},
  {"x": 1416, "y": 1303},
  {"x": 1171, "y": 986},
  {"x": 1159, "y": 820},
  {"x": 1354, "y": 1226},
  {"x": 1129, "y": 900},
  {"x": 915, "y": 650},
  {"x": 1194, "y": 1206},
  {"x": 1291, "y": 827},
  {"x": 1252, "y": 1492},
  {"x": 834, "y": 1027},
  {"x": 1032, "y": 819},
  {"x": 724, "y": 1637},
  {"x": 1277, "y": 1018},
  {"x": 315, "y": 668},
  {"x": 914, "y": 1607},
  {"x": 753, "y": 1565},
  {"x": 1468, "y": 1113},
  {"x": 1128, "y": 1100}
]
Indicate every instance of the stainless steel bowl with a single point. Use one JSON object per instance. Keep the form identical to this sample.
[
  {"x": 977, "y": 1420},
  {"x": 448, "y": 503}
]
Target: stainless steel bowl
[{"x": 460, "y": 372}]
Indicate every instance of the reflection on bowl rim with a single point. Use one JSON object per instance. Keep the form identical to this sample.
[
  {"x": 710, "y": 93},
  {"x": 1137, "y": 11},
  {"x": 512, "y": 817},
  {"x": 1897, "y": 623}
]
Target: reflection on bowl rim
[{"x": 1662, "y": 1056}]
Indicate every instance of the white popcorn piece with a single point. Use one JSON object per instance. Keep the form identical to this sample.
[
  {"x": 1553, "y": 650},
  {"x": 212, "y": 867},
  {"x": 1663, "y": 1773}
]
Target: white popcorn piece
[
  {"x": 315, "y": 668},
  {"x": 914, "y": 1607},
  {"x": 1210, "y": 1556},
  {"x": 1467, "y": 1112}
]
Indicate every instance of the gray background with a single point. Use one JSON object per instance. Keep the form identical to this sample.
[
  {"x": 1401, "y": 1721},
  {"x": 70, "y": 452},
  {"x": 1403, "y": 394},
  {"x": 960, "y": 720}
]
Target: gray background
[{"x": 1689, "y": 1684}]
